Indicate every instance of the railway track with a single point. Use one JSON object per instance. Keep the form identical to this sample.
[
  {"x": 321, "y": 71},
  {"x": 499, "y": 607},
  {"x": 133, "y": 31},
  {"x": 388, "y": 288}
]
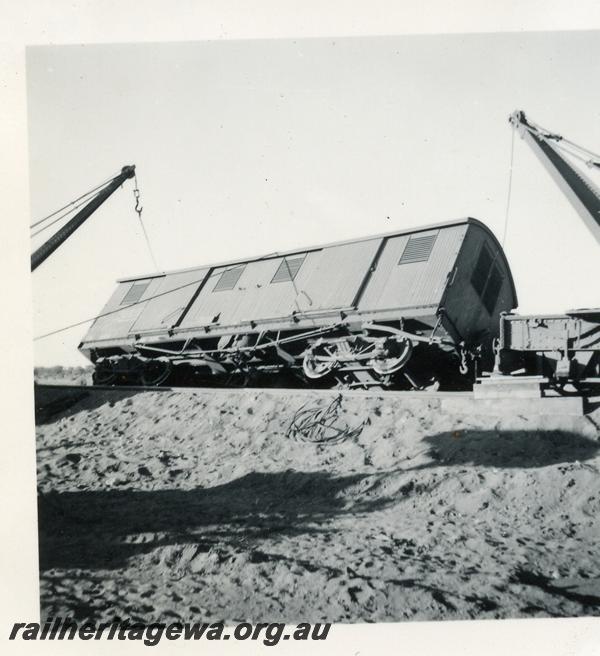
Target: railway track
[
  {"x": 52, "y": 398},
  {"x": 233, "y": 391}
]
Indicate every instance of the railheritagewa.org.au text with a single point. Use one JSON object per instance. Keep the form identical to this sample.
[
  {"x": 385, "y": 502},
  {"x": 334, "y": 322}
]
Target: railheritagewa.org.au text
[{"x": 269, "y": 634}]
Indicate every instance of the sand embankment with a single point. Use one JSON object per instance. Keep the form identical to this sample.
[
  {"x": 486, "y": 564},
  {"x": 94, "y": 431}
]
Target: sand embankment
[{"x": 167, "y": 505}]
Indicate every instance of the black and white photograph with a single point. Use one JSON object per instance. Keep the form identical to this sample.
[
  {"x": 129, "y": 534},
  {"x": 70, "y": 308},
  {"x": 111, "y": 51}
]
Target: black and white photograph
[{"x": 316, "y": 329}]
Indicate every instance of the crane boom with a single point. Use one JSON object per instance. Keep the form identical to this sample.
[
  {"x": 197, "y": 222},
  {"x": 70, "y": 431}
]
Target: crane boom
[
  {"x": 580, "y": 190},
  {"x": 48, "y": 247}
]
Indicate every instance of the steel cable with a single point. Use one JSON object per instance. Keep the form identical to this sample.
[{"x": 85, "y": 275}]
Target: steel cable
[
  {"x": 88, "y": 193},
  {"x": 547, "y": 134},
  {"x": 138, "y": 210},
  {"x": 322, "y": 425},
  {"x": 119, "y": 309},
  {"x": 509, "y": 194},
  {"x": 62, "y": 216}
]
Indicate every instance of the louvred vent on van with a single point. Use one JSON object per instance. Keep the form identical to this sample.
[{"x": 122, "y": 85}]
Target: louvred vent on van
[
  {"x": 229, "y": 278},
  {"x": 135, "y": 293},
  {"x": 288, "y": 269},
  {"x": 418, "y": 249}
]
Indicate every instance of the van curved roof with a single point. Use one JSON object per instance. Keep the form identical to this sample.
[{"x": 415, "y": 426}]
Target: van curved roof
[{"x": 304, "y": 249}]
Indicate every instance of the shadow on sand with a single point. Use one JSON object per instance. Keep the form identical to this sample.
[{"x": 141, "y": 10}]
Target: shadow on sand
[
  {"x": 102, "y": 529},
  {"x": 93, "y": 529},
  {"x": 53, "y": 401},
  {"x": 507, "y": 449}
]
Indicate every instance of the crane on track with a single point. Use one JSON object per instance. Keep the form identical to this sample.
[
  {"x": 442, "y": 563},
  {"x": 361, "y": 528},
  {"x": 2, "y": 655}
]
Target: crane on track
[{"x": 561, "y": 349}]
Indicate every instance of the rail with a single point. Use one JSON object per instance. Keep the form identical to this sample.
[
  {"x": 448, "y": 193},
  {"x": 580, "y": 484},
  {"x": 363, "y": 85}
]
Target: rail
[{"x": 424, "y": 394}]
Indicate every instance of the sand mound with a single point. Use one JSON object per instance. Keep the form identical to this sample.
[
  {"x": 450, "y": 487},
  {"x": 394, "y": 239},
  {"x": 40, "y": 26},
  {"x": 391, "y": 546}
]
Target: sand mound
[{"x": 166, "y": 505}]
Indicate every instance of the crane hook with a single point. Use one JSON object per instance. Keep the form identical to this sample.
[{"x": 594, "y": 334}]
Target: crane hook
[
  {"x": 138, "y": 209},
  {"x": 136, "y": 194}
]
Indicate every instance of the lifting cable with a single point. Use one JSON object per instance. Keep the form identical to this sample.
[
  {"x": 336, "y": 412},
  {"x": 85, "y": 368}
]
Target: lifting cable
[
  {"x": 509, "y": 193},
  {"x": 591, "y": 159},
  {"x": 73, "y": 202},
  {"x": 138, "y": 210},
  {"x": 144, "y": 300}
]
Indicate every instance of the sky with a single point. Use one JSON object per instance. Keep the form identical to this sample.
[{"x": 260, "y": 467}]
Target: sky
[{"x": 249, "y": 147}]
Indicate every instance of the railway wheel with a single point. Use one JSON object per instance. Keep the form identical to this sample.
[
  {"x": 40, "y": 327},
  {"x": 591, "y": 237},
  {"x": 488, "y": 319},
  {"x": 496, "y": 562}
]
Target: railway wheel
[
  {"x": 104, "y": 373},
  {"x": 318, "y": 362},
  {"x": 155, "y": 372},
  {"x": 395, "y": 355}
]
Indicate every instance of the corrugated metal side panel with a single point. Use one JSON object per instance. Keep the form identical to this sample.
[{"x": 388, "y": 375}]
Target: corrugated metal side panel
[
  {"x": 327, "y": 279},
  {"x": 275, "y": 299},
  {"x": 395, "y": 285},
  {"x": 176, "y": 291},
  {"x": 263, "y": 298},
  {"x": 254, "y": 297},
  {"x": 117, "y": 325},
  {"x": 337, "y": 276}
]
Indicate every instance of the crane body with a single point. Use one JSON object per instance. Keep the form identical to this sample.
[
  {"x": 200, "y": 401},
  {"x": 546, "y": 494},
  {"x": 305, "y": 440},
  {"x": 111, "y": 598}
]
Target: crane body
[
  {"x": 578, "y": 188},
  {"x": 59, "y": 238},
  {"x": 560, "y": 349}
]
